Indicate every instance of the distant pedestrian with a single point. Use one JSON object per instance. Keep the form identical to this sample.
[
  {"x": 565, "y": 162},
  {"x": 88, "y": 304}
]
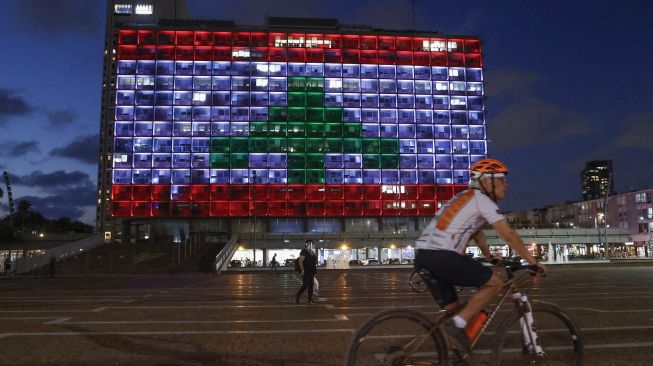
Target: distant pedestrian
[
  {"x": 7, "y": 264},
  {"x": 51, "y": 266},
  {"x": 308, "y": 269},
  {"x": 273, "y": 263}
]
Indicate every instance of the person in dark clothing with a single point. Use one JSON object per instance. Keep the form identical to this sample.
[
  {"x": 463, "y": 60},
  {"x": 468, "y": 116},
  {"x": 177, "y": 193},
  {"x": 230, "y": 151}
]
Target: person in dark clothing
[
  {"x": 308, "y": 269},
  {"x": 53, "y": 260},
  {"x": 274, "y": 263},
  {"x": 7, "y": 264}
]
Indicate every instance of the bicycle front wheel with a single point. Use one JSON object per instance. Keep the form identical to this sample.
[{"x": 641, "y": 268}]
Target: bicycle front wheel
[
  {"x": 559, "y": 339},
  {"x": 397, "y": 337},
  {"x": 417, "y": 283}
]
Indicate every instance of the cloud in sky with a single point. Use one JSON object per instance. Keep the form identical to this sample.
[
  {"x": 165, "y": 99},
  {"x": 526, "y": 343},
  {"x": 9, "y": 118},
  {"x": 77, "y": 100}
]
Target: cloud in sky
[
  {"x": 69, "y": 194},
  {"x": 16, "y": 149},
  {"x": 70, "y": 203},
  {"x": 628, "y": 149},
  {"x": 636, "y": 131},
  {"x": 535, "y": 121},
  {"x": 62, "y": 117},
  {"x": 46, "y": 16},
  {"x": 12, "y": 105},
  {"x": 83, "y": 149},
  {"x": 509, "y": 83},
  {"x": 523, "y": 118},
  {"x": 53, "y": 181}
]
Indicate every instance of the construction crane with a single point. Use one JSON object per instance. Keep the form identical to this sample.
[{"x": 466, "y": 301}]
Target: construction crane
[{"x": 10, "y": 198}]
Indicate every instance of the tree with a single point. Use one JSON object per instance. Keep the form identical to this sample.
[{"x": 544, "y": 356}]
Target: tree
[
  {"x": 6, "y": 232},
  {"x": 33, "y": 221}
]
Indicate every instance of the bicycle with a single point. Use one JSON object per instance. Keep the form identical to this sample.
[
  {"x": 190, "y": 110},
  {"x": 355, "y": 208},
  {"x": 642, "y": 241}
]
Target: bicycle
[
  {"x": 529, "y": 334},
  {"x": 417, "y": 282}
]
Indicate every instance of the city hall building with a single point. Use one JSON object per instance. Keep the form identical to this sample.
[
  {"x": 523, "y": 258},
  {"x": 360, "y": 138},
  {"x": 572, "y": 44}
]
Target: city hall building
[{"x": 300, "y": 129}]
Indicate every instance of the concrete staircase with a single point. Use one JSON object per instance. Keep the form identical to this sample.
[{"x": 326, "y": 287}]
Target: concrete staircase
[{"x": 147, "y": 258}]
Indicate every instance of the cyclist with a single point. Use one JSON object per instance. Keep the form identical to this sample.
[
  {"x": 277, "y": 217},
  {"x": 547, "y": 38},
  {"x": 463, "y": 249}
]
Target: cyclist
[{"x": 441, "y": 247}]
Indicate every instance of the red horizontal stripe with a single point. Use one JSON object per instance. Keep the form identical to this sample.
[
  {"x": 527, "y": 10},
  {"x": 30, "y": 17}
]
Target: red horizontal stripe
[
  {"x": 277, "y": 200},
  {"x": 293, "y": 40}
]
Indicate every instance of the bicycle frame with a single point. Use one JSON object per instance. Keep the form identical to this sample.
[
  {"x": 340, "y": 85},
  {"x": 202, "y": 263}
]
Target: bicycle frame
[
  {"x": 509, "y": 289},
  {"x": 520, "y": 300}
]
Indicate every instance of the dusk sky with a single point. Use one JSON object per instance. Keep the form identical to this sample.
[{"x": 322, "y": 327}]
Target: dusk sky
[{"x": 566, "y": 82}]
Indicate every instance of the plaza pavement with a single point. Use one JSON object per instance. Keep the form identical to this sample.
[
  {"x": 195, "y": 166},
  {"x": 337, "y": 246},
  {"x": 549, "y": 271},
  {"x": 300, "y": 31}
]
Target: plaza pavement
[{"x": 248, "y": 318}]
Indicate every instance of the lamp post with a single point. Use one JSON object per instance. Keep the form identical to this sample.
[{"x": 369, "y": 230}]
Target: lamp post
[{"x": 605, "y": 215}]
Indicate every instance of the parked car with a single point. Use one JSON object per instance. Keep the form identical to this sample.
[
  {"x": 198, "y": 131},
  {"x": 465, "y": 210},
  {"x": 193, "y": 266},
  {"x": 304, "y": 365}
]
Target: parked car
[
  {"x": 290, "y": 262},
  {"x": 235, "y": 263},
  {"x": 355, "y": 262},
  {"x": 371, "y": 262}
]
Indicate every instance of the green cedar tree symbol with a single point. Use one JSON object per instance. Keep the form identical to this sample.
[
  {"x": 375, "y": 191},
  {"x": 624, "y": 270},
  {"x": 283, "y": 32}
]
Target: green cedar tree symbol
[{"x": 305, "y": 106}]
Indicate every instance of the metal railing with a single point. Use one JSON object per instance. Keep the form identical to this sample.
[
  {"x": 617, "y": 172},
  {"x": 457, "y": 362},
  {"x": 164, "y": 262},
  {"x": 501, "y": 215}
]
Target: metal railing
[
  {"x": 223, "y": 257},
  {"x": 29, "y": 263}
]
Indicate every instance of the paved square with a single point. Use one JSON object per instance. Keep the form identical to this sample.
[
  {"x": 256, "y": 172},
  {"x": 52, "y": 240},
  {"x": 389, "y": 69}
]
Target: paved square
[{"x": 248, "y": 318}]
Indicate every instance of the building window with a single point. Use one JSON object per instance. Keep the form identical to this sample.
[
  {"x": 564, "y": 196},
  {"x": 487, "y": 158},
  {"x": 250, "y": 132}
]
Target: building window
[
  {"x": 144, "y": 9},
  {"x": 643, "y": 198},
  {"x": 122, "y": 9}
]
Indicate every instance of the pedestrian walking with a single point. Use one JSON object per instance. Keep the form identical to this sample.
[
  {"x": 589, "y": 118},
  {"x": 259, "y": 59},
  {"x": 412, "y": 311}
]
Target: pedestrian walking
[
  {"x": 273, "y": 263},
  {"x": 307, "y": 268},
  {"x": 7, "y": 265},
  {"x": 51, "y": 266}
]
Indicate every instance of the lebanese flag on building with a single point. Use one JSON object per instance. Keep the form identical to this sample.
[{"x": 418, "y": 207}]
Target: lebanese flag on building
[{"x": 275, "y": 124}]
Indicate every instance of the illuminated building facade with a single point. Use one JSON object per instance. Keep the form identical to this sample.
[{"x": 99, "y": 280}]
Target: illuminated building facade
[{"x": 319, "y": 121}]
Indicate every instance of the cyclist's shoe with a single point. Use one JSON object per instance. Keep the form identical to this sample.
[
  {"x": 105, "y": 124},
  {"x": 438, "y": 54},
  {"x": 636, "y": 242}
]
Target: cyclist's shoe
[
  {"x": 458, "y": 337},
  {"x": 312, "y": 301},
  {"x": 295, "y": 300}
]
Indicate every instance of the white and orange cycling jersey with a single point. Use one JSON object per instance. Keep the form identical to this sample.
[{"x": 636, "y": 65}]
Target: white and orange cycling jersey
[{"x": 458, "y": 220}]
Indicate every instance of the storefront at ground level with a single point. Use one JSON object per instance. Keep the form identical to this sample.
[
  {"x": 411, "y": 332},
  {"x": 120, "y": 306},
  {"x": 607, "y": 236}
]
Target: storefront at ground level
[{"x": 549, "y": 245}]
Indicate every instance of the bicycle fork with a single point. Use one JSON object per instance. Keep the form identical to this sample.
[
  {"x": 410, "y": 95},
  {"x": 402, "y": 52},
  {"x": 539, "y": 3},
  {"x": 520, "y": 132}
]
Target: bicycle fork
[{"x": 529, "y": 334}]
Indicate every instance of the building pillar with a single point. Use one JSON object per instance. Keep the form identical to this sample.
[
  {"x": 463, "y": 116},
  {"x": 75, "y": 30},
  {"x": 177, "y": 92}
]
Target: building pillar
[{"x": 265, "y": 257}]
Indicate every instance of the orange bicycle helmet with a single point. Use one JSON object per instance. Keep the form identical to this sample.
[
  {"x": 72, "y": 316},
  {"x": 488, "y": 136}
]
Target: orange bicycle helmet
[{"x": 487, "y": 166}]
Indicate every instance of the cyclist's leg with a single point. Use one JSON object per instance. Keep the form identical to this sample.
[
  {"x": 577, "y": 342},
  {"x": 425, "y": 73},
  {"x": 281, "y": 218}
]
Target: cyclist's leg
[
  {"x": 461, "y": 270},
  {"x": 443, "y": 292},
  {"x": 472, "y": 273},
  {"x": 481, "y": 297}
]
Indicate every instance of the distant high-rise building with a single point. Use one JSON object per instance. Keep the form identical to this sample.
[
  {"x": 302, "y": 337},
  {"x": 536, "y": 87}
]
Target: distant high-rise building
[{"x": 597, "y": 179}]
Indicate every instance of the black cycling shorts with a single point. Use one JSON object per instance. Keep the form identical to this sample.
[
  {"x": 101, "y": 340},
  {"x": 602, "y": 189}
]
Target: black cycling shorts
[{"x": 451, "y": 269}]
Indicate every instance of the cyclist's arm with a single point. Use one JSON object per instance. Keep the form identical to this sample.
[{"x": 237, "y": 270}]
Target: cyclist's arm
[
  {"x": 515, "y": 242},
  {"x": 481, "y": 243}
]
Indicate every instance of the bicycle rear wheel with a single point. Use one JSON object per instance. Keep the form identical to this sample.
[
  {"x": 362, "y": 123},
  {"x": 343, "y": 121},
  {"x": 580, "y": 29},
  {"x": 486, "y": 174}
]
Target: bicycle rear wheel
[
  {"x": 558, "y": 335},
  {"x": 397, "y": 337},
  {"x": 417, "y": 283}
]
